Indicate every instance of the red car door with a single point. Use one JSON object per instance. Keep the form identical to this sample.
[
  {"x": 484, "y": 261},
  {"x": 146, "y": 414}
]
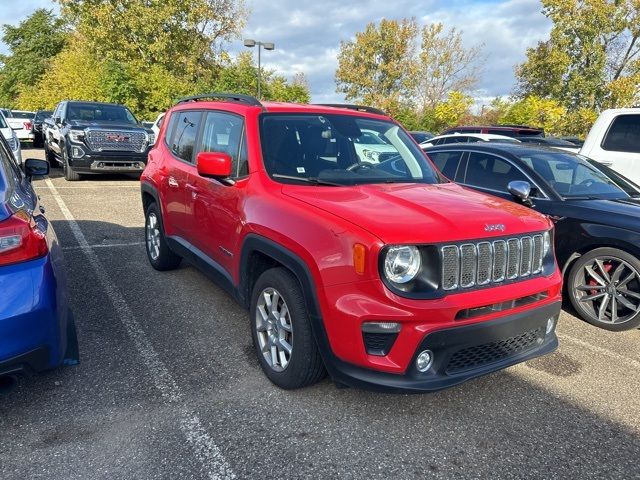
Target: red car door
[
  {"x": 213, "y": 207},
  {"x": 177, "y": 166}
]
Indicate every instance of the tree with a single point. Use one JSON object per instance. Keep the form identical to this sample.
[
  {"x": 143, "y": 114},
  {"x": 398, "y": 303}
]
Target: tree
[
  {"x": 444, "y": 65},
  {"x": 452, "y": 111},
  {"x": 593, "y": 47},
  {"x": 538, "y": 112},
  {"x": 377, "y": 66},
  {"x": 31, "y": 44}
]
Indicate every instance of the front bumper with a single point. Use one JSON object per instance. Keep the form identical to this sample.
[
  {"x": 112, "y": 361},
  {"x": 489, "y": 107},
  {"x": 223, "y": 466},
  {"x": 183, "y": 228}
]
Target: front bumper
[
  {"x": 109, "y": 162},
  {"x": 462, "y": 353}
]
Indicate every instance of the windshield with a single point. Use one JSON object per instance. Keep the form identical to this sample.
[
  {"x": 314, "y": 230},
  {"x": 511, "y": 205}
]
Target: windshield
[
  {"x": 336, "y": 149},
  {"x": 28, "y": 115},
  {"x": 100, "y": 113},
  {"x": 3, "y": 123},
  {"x": 42, "y": 114},
  {"x": 572, "y": 176}
]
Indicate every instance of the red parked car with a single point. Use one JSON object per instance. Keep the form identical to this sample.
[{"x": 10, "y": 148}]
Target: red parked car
[{"x": 381, "y": 272}]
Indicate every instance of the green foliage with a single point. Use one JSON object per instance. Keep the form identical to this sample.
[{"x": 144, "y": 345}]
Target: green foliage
[
  {"x": 591, "y": 58},
  {"x": 31, "y": 44},
  {"x": 452, "y": 111},
  {"x": 141, "y": 53}
]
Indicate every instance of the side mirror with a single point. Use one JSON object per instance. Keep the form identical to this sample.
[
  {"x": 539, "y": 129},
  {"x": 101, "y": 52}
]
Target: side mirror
[
  {"x": 215, "y": 165},
  {"x": 34, "y": 167},
  {"x": 521, "y": 190}
]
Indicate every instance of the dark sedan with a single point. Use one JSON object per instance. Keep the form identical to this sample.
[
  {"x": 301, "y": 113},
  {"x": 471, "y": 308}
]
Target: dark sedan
[{"x": 596, "y": 211}]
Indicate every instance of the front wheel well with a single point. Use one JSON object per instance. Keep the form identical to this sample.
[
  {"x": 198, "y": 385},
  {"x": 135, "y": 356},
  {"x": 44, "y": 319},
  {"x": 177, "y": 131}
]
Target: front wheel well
[
  {"x": 147, "y": 199},
  {"x": 586, "y": 249},
  {"x": 257, "y": 263}
]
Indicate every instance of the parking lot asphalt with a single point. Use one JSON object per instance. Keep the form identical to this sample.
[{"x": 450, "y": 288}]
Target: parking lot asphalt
[{"x": 169, "y": 386}]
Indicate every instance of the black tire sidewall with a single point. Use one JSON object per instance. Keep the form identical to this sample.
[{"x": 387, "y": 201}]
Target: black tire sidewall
[
  {"x": 577, "y": 268},
  {"x": 305, "y": 365}
]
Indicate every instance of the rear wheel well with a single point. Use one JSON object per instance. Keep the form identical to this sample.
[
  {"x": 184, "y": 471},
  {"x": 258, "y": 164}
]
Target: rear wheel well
[{"x": 586, "y": 249}]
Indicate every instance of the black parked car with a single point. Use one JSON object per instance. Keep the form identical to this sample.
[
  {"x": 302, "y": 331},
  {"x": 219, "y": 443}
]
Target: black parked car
[
  {"x": 596, "y": 212},
  {"x": 38, "y": 122},
  {"x": 421, "y": 137},
  {"x": 94, "y": 137}
]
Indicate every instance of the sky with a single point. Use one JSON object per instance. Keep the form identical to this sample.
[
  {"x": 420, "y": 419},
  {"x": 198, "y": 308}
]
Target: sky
[{"x": 308, "y": 34}]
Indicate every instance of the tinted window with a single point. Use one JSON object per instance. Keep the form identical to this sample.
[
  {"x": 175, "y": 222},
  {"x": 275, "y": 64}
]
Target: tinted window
[
  {"x": 624, "y": 135},
  {"x": 184, "y": 134},
  {"x": 496, "y": 131},
  {"x": 456, "y": 139},
  {"x": 98, "y": 112},
  {"x": 447, "y": 162},
  {"x": 314, "y": 147},
  {"x": 223, "y": 132},
  {"x": 27, "y": 115},
  {"x": 488, "y": 171},
  {"x": 42, "y": 115},
  {"x": 572, "y": 175}
]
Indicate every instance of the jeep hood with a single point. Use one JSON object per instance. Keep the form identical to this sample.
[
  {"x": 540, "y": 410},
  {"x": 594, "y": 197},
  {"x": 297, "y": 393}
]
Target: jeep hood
[{"x": 421, "y": 213}]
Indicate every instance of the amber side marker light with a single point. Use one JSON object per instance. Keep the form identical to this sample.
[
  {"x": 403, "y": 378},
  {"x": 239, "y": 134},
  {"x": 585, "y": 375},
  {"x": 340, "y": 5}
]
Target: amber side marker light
[{"x": 359, "y": 255}]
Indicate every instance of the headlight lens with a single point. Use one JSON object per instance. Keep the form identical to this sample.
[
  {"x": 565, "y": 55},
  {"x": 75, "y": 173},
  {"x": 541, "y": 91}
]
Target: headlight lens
[
  {"x": 402, "y": 264},
  {"x": 152, "y": 138},
  {"x": 546, "y": 244},
  {"x": 76, "y": 135}
]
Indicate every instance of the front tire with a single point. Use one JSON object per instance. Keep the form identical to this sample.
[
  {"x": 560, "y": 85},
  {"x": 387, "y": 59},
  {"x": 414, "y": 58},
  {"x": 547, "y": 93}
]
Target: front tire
[
  {"x": 69, "y": 174},
  {"x": 281, "y": 331},
  {"x": 160, "y": 256},
  {"x": 604, "y": 288}
]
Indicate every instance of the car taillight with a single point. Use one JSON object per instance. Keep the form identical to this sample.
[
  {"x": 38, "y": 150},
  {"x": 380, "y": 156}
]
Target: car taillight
[
  {"x": 21, "y": 239},
  {"x": 28, "y": 125}
]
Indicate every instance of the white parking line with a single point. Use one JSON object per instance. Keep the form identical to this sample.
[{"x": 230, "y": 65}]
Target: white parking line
[
  {"x": 104, "y": 245},
  {"x": 201, "y": 442},
  {"x": 630, "y": 362}
]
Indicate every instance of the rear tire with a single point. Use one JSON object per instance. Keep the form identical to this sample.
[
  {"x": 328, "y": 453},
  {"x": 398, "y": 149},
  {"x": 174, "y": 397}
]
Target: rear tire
[
  {"x": 160, "y": 256},
  {"x": 281, "y": 331},
  {"x": 604, "y": 288}
]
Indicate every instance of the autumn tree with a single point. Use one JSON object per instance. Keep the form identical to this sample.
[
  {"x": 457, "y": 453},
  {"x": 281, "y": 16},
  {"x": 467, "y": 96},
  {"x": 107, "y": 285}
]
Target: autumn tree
[
  {"x": 592, "y": 58},
  {"x": 377, "y": 67},
  {"x": 444, "y": 65},
  {"x": 32, "y": 43}
]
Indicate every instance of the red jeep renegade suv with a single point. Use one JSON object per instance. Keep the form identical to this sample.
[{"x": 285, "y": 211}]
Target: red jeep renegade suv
[{"x": 374, "y": 268}]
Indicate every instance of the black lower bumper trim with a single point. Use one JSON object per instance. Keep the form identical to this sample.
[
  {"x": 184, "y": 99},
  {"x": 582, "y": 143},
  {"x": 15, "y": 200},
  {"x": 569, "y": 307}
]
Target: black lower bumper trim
[
  {"x": 34, "y": 361},
  {"x": 510, "y": 340}
]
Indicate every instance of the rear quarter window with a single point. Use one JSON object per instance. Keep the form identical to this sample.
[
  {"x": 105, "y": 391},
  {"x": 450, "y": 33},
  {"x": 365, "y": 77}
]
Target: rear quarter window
[{"x": 623, "y": 135}]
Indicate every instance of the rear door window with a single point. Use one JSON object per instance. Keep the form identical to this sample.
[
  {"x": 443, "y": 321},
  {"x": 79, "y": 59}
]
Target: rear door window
[
  {"x": 448, "y": 163},
  {"x": 184, "y": 135},
  {"x": 623, "y": 135}
]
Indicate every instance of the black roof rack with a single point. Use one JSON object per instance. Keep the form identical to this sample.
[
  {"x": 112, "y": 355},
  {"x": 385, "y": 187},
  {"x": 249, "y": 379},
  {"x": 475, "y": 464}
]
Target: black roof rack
[
  {"x": 234, "y": 97},
  {"x": 359, "y": 108}
]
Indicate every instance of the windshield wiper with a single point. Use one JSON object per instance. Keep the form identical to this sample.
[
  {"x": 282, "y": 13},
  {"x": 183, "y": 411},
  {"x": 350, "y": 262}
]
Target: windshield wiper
[{"x": 310, "y": 180}]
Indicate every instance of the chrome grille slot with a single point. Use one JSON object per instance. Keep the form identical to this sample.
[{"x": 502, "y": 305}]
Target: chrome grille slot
[
  {"x": 526, "y": 260},
  {"x": 499, "y": 260},
  {"x": 476, "y": 264},
  {"x": 513, "y": 258},
  {"x": 450, "y": 267},
  {"x": 537, "y": 254},
  {"x": 468, "y": 265},
  {"x": 485, "y": 263},
  {"x": 116, "y": 141}
]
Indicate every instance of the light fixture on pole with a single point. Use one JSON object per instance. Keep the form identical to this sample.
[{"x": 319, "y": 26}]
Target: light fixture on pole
[{"x": 267, "y": 46}]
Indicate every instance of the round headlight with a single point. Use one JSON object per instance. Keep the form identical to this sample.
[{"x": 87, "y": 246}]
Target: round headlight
[{"x": 402, "y": 264}]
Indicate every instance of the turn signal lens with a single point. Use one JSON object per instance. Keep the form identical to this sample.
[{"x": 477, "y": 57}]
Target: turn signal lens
[{"x": 359, "y": 256}]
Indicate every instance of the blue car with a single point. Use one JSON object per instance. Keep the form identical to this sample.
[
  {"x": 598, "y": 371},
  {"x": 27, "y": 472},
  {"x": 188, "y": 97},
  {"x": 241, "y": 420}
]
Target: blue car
[{"x": 36, "y": 328}]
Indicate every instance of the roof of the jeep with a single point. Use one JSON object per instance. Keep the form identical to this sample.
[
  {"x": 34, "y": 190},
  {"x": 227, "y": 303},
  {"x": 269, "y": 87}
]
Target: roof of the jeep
[{"x": 273, "y": 107}]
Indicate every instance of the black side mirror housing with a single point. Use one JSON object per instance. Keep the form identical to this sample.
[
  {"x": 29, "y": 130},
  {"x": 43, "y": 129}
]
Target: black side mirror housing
[{"x": 34, "y": 167}]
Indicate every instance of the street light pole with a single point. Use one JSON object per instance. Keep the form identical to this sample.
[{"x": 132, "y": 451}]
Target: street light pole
[{"x": 267, "y": 46}]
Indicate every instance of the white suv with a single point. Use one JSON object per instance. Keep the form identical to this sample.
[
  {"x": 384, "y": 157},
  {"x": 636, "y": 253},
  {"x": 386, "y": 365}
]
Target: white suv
[{"x": 614, "y": 140}]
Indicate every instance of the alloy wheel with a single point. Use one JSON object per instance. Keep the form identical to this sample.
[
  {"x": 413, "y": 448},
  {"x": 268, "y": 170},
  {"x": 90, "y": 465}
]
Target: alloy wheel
[
  {"x": 153, "y": 236},
  {"x": 609, "y": 289},
  {"x": 274, "y": 329}
]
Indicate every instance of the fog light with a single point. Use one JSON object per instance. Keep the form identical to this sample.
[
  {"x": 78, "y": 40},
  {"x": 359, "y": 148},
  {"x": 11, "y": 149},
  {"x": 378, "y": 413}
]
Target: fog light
[
  {"x": 381, "y": 327},
  {"x": 424, "y": 360},
  {"x": 551, "y": 323},
  {"x": 77, "y": 152}
]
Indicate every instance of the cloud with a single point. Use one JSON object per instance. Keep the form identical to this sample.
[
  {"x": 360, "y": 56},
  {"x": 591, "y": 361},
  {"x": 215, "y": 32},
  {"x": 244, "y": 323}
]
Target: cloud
[
  {"x": 308, "y": 34},
  {"x": 307, "y": 38}
]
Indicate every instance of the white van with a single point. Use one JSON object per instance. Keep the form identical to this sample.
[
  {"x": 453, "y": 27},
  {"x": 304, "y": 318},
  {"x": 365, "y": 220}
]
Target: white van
[{"x": 614, "y": 140}]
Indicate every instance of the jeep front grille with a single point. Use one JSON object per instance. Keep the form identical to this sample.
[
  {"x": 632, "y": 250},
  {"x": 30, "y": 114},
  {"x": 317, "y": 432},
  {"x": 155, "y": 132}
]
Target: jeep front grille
[
  {"x": 116, "y": 141},
  {"x": 481, "y": 263}
]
